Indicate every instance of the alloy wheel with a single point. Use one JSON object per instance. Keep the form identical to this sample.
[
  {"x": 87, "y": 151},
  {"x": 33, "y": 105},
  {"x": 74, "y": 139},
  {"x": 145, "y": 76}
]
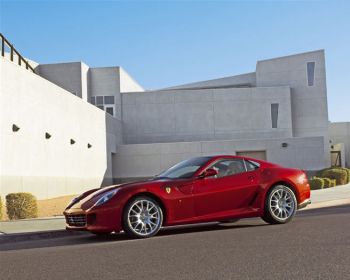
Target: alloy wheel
[
  {"x": 282, "y": 204},
  {"x": 144, "y": 217}
]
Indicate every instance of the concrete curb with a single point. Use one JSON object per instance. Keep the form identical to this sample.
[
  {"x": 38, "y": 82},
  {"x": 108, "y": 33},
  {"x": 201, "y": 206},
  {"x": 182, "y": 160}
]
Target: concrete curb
[
  {"x": 27, "y": 236},
  {"x": 329, "y": 203}
]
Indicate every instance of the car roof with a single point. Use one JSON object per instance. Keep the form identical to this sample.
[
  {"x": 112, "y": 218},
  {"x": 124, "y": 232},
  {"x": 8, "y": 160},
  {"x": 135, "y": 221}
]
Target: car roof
[{"x": 262, "y": 162}]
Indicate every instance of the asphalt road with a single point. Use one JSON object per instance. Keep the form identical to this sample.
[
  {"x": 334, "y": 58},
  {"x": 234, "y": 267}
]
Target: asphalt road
[{"x": 315, "y": 245}]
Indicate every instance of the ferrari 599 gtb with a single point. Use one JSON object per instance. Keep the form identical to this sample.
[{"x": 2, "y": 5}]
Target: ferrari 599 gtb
[{"x": 197, "y": 190}]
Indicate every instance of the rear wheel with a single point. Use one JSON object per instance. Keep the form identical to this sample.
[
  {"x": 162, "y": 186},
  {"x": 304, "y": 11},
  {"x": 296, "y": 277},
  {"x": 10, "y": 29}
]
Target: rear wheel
[
  {"x": 280, "y": 205},
  {"x": 142, "y": 217}
]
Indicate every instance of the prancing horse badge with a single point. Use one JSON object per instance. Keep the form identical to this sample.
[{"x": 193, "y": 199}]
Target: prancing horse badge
[{"x": 168, "y": 189}]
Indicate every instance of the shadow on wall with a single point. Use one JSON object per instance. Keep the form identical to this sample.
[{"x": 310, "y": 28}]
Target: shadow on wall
[{"x": 113, "y": 139}]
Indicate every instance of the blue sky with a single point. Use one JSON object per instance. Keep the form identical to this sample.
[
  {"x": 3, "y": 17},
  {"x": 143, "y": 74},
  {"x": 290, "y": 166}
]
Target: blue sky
[{"x": 165, "y": 43}]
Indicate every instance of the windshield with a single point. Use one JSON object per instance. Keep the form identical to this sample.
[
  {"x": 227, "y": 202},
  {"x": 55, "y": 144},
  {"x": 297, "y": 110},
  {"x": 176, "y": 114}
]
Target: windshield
[{"x": 184, "y": 169}]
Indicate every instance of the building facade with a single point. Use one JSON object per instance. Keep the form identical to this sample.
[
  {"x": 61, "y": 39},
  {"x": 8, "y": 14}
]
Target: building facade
[{"x": 122, "y": 132}]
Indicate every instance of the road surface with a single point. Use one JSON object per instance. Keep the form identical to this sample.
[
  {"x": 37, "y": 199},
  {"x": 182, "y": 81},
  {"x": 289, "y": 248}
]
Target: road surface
[{"x": 315, "y": 245}]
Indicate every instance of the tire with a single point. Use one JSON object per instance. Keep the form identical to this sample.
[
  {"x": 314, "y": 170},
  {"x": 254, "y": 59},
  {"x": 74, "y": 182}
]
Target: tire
[
  {"x": 142, "y": 217},
  {"x": 280, "y": 205},
  {"x": 229, "y": 221}
]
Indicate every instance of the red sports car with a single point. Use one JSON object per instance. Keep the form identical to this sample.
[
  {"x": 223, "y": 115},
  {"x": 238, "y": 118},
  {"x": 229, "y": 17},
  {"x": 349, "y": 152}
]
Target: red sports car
[{"x": 197, "y": 190}]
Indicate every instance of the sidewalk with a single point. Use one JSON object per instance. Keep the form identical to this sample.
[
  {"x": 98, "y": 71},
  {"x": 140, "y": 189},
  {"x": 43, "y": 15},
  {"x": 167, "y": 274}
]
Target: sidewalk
[
  {"x": 32, "y": 225},
  {"x": 320, "y": 198},
  {"x": 330, "y": 197}
]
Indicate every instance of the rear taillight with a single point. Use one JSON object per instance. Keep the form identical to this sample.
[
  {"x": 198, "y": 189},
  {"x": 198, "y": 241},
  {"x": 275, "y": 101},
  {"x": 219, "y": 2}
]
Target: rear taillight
[{"x": 302, "y": 179}]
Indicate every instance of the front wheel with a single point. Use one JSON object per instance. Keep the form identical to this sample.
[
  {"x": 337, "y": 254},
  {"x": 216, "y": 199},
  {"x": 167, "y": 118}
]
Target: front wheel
[
  {"x": 142, "y": 217},
  {"x": 280, "y": 205}
]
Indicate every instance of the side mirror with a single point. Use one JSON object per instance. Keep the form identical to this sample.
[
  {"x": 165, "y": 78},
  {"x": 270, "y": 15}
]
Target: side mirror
[{"x": 209, "y": 173}]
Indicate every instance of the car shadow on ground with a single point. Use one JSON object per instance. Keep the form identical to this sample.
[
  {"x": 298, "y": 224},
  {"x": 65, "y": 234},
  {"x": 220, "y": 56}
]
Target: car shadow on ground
[
  {"x": 85, "y": 238},
  {"x": 88, "y": 238}
]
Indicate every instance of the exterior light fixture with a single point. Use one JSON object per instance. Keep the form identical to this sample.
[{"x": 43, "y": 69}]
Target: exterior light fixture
[
  {"x": 89, "y": 145},
  {"x": 72, "y": 142},
  {"x": 47, "y": 135},
  {"x": 284, "y": 145},
  {"x": 15, "y": 128}
]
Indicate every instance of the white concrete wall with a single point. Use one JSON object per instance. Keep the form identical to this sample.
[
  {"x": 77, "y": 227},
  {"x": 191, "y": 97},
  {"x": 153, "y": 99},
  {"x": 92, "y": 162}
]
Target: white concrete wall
[
  {"x": 105, "y": 81},
  {"x": 309, "y": 103},
  {"x": 243, "y": 79},
  {"x": 51, "y": 167},
  {"x": 146, "y": 160},
  {"x": 206, "y": 114},
  {"x": 70, "y": 76},
  {"x": 310, "y": 112},
  {"x": 127, "y": 83},
  {"x": 84, "y": 82},
  {"x": 340, "y": 133}
]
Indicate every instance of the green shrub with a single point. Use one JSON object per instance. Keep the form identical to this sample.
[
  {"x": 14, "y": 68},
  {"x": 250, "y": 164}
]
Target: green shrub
[
  {"x": 316, "y": 183},
  {"x": 0, "y": 208},
  {"x": 21, "y": 206},
  {"x": 347, "y": 170},
  {"x": 333, "y": 183},
  {"x": 340, "y": 174},
  {"x": 328, "y": 183}
]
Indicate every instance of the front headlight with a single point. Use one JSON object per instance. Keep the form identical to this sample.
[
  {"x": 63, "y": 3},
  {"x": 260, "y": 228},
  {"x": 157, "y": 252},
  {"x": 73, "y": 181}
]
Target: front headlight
[{"x": 107, "y": 196}]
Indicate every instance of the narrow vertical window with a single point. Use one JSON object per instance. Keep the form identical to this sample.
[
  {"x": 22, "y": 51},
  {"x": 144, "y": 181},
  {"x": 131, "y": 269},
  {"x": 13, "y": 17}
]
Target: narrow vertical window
[
  {"x": 310, "y": 66},
  {"x": 92, "y": 100},
  {"x": 110, "y": 110},
  {"x": 99, "y": 100},
  {"x": 274, "y": 114}
]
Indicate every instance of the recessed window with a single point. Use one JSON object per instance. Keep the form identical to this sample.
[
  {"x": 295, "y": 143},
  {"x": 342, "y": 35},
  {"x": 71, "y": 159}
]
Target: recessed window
[
  {"x": 110, "y": 110},
  {"x": 100, "y": 107},
  {"x": 310, "y": 67},
  {"x": 109, "y": 99},
  {"x": 99, "y": 100},
  {"x": 274, "y": 115},
  {"x": 15, "y": 128},
  {"x": 92, "y": 100}
]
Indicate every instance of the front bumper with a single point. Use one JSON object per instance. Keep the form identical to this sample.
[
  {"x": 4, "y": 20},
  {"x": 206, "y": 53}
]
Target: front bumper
[
  {"x": 305, "y": 203},
  {"x": 95, "y": 220}
]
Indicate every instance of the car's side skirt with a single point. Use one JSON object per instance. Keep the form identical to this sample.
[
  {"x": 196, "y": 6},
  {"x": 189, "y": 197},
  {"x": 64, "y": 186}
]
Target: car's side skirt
[{"x": 232, "y": 214}]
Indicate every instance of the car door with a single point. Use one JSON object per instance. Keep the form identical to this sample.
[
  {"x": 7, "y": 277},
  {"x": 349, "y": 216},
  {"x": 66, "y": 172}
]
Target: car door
[{"x": 234, "y": 187}]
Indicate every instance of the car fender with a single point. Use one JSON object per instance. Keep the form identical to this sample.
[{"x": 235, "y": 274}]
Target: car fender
[{"x": 145, "y": 192}]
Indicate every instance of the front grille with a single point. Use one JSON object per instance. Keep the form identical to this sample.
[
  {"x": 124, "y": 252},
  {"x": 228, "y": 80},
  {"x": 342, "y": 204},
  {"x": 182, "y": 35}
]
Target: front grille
[{"x": 76, "y": 220}]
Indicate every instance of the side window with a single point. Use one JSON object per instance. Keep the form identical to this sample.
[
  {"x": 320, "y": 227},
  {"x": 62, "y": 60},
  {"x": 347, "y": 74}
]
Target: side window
[
  {"x": 251, "y": 166},
  {"x": 228, "y": 167}
]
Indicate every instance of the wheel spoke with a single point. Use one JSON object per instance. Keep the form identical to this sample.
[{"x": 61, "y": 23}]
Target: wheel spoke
[
  {"x": 144, "y": 217},
  {"x": 281, "y": 204}
]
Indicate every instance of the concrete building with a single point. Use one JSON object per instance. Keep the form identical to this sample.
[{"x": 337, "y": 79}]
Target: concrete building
[{"x": 56, "y": 140}]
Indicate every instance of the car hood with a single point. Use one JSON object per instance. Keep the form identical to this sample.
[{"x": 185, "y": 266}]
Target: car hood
[{"x": 89, "y": 200}]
